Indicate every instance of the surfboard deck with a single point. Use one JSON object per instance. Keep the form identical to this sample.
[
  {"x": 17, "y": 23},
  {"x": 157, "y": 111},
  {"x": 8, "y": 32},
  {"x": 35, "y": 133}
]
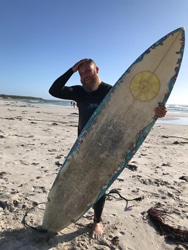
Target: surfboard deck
[{"x": 114, "y": 132}]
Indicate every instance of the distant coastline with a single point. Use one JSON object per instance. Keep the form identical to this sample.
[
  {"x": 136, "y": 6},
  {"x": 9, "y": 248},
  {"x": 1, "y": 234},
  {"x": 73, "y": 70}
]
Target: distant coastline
[
  {"x": 34, "y": 100},
  {"x": 17, "y": 97}
]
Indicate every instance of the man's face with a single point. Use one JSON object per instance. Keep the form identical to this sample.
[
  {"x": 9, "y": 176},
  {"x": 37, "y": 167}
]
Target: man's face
[{"x": 88, "y": 76}]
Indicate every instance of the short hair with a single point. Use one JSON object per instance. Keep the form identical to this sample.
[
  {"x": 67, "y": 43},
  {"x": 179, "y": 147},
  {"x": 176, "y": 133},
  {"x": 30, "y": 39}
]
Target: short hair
[{"x": 89, "y": 61}]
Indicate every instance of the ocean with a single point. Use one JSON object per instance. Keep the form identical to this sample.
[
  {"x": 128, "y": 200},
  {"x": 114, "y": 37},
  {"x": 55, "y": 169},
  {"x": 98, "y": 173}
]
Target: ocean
[
  {"x": 177, "y": 108},
  {"x": 49, "y": 102}
]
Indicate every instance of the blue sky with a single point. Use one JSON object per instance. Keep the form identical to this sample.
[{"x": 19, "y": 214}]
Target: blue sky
[{"x": 41, "y": 39}]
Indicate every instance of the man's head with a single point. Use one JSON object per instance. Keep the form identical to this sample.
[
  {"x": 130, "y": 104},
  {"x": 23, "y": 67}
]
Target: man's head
[{"x": 89, "y": 77}]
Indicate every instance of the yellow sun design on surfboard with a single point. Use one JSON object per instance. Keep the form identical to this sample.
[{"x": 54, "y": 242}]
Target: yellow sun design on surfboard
[{"x": 145, "y": 86}]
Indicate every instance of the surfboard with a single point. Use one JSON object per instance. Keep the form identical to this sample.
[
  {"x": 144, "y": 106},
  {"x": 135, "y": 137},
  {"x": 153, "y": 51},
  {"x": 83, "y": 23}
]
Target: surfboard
[{"x": 114, "y": 132}]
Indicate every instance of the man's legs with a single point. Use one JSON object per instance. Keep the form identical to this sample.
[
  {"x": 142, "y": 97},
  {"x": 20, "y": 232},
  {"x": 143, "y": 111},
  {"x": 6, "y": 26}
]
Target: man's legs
[
  {"x": 97, "y": 226},
  {"x": 98, "y": 208}
]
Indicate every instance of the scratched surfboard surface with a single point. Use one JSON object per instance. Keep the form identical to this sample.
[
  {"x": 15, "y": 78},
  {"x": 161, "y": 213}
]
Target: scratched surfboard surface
[{"x": 114, "y": 132}]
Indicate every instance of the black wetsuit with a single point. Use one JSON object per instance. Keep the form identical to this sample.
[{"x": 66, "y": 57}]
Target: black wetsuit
[{"x": 87, "y": 103}]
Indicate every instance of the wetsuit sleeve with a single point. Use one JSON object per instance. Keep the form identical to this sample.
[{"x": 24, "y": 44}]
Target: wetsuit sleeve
[{"x": 58, "y": 88}]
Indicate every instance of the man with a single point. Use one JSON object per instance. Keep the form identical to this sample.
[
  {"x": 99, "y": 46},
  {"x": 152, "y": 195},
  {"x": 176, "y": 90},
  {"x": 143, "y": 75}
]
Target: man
[{"x": 88, "y": 96}]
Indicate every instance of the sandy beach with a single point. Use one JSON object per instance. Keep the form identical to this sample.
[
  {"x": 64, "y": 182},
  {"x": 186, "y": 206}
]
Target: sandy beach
[{"x": 34, "y": 141}]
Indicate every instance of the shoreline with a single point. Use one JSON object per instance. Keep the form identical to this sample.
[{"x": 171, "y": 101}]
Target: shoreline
[
  {"x": 35, "y": 140},
  {"x": 174, "y": 118}
]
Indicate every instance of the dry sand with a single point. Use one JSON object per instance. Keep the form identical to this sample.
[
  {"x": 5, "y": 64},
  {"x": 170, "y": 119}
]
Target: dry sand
[{"x": 35, "y": 140}]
